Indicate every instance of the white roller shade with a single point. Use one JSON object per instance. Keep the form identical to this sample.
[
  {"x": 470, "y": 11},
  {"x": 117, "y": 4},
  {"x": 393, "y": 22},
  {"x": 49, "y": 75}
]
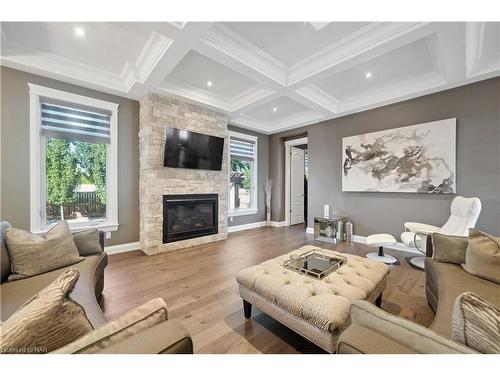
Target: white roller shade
[
  {"x": 242, "y": 149},
  {"x": 60, "y": 121}
]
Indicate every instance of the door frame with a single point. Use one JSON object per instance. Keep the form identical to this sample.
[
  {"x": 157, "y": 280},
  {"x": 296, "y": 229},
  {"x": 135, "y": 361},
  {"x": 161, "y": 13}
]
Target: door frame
[{"x": 288, "y": 144}]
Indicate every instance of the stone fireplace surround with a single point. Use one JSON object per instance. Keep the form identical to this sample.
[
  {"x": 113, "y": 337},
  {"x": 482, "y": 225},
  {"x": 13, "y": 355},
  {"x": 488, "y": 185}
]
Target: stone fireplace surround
[{"x": 156, "y": 114}]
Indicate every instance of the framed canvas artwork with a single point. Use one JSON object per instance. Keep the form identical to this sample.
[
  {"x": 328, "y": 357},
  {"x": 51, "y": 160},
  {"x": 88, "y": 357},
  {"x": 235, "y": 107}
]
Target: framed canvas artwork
[{"x": 412, "y": 159}]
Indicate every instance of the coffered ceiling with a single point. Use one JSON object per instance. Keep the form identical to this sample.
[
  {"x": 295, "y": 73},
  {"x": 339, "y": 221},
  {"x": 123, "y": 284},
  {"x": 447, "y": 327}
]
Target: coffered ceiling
[{"x": 266, "y": 76}]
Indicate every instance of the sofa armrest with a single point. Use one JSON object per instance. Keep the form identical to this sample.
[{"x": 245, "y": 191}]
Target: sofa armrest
[
  {"x": 414, "y": 337},
  {"x": 169, "y": 337},
  {"x": 142, "y": 318}
]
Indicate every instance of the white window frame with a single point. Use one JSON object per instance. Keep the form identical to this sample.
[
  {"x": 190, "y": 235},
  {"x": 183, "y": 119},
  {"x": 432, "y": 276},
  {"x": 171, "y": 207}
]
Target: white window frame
[
  {"x": 37, "y": 159},
  {"x": 254, "y": 203}
]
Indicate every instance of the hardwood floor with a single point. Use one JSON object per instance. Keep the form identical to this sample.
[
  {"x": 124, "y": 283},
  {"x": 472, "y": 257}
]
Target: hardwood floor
[{"x": 200, "y": 289}]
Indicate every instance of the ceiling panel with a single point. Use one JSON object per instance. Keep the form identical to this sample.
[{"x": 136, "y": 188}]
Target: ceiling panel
[
  {"x": 197, "y": 71},
  {"x": 276, "y": 110},
  {"x": 398, "y": 66},
  {"x": 105, "y": 45},
  {"x": 291, "y": 42}
]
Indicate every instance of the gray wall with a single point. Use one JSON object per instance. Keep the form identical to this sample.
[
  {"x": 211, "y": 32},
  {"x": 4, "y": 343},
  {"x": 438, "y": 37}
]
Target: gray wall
[
  {"x": 477, "y": 109},
  {"x": 15, "y": 191},
  {"x": 262, "y": 175}
]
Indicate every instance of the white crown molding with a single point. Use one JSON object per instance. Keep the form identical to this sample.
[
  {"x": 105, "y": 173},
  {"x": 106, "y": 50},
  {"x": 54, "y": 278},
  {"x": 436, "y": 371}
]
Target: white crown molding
[
  {"x": 355, "y": 44},
  {"x": 393, "y": 93},
  {"x": 224, "y": 40},
  {"x": 475, "y": 37},
  {"x": 54, "y": 66},
  {"x": 319, "y": 97},
  {"x": 154, "y": 50},
  {"x": 249, "y": 97}
]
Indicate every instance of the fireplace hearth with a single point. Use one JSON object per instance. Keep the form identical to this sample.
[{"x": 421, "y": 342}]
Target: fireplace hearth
[{"x": 188, "y": 216}]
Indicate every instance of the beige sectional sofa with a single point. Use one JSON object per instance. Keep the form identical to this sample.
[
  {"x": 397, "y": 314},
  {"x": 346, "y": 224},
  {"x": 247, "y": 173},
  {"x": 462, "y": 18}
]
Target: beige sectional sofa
[
  {"x": 168, "y": 336},
  {"x": 375, "y": 331}
]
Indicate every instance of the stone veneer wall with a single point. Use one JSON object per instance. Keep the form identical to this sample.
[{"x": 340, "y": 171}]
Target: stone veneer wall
[{"x": 156, "y": 114}]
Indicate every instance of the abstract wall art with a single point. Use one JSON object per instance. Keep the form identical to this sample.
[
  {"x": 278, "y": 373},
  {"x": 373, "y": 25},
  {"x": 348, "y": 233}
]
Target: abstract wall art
[{"x": 412, "y": 159}]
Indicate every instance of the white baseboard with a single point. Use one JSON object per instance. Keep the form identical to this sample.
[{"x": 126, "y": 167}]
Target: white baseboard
[
  {"x": 122, "y": 248},
  {"x": 310, "y": 230},
  {"x": 237, "y": 228},
  {"x": 278, "y": 223}
]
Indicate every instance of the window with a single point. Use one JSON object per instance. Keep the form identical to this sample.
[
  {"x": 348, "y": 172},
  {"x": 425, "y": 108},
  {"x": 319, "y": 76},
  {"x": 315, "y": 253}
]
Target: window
[
  {"x": 73, "y": 160},
  {"x": 242, "y": 174}
]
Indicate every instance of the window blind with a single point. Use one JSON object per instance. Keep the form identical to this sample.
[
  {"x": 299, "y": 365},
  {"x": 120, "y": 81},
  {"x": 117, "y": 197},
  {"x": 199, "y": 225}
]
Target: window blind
[
  {"x": 60, "y": 121},
  {"x": 242, "y": 149}
]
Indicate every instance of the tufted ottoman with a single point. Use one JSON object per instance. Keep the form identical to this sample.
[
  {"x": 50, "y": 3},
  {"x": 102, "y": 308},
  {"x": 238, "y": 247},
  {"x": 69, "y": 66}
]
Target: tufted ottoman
[{"x": 316, "y": 309}]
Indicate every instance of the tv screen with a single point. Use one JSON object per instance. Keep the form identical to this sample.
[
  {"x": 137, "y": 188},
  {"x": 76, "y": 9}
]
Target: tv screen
[{"x": 185, "y": 149}]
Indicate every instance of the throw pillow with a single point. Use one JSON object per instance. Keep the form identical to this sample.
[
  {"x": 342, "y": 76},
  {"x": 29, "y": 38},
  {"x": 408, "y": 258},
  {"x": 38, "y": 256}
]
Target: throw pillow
[
  {"x": 139, "y": 319},
  {"x": 476, "y": 323},
  {"x": 449, "y": 249},
  {"x": 483, "y": 256},
  {"x": 47, "y": 321},
  {"x": 87, "y": 242},
  {"x": 31, "y": 254}
]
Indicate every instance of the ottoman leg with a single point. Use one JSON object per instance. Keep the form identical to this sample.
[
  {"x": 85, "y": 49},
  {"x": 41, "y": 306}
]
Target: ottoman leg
[
  {"x": 378, "y": 301},
  {"x": 247, "y": 309}
]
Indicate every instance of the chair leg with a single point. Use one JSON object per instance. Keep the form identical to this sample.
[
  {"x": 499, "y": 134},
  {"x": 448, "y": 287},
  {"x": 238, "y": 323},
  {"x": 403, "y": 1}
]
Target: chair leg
[{"x": 247, "y": 309}]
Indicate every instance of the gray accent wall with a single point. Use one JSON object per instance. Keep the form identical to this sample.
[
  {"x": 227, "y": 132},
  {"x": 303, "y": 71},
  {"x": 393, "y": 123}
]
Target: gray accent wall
[
  {"x": 477, "y": 110},
  {"x": 15, "y": 155},
  {"x": 262, "y": 175}
]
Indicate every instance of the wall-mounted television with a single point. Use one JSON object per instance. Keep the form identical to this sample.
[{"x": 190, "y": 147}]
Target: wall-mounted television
[{"x": 185, "y": 149}]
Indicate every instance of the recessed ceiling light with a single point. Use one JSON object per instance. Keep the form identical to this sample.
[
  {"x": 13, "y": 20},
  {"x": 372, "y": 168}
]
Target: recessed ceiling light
[
  {"x": 275, "y": 109},
  {"x": 79, "y": 32},
  {"x": 209, "y": 83},
  {"x": 368, "y": 74}
]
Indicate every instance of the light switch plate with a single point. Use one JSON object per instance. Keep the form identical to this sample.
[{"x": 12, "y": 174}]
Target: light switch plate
[{"x": 108, "y": 235}]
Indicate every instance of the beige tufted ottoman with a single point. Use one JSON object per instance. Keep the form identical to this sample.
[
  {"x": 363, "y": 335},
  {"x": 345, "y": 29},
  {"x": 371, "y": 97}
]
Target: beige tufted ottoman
[{"x": 316, "y": 309}]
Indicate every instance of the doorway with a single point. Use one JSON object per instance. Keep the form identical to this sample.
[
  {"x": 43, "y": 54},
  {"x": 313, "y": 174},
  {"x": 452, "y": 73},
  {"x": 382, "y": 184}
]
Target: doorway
[{"x": 296, "y": 158}]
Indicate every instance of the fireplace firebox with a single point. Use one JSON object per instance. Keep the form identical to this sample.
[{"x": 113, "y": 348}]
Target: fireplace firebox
[{"x": 188, "y": 216}]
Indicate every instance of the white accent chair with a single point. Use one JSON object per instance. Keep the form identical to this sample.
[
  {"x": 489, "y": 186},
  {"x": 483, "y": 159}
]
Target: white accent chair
[{"x": 464, "y": 214}]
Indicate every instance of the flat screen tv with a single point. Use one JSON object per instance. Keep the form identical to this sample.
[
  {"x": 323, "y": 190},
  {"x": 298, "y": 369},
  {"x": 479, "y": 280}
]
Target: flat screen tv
[{"x": 185, "y": 149}]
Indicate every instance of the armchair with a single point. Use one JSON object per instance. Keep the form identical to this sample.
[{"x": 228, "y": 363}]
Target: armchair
[{"x": 464, "y": 214}]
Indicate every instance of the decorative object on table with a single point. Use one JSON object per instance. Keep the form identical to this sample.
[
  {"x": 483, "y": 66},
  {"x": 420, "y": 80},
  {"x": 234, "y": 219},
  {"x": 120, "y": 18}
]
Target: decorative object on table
[
  {"x": 296, "y": 260},
  {"x": 326, "y": 229},
  {"x": 464, "y": 214},
  {"x": 339, "y": 231},
  {"x": 268, "y": 189},
  {"x": 381, "y": 240},
  {"x": 315, "y": 263},
  {"x": 412, "y": 159},
  {"x": 348, "y": 231},
  {"x": 326, "y": 211}
]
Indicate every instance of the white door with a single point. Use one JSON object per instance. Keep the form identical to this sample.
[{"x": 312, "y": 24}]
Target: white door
[{"x": 296, "y": 185}]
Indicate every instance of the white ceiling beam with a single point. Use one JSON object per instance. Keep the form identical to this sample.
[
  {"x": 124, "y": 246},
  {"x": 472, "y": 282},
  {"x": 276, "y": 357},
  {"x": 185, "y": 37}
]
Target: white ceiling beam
[{"x": 169, "y": 56}]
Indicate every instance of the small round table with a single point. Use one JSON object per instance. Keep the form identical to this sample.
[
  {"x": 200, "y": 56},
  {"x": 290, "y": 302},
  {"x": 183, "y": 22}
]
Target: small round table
[{"x": 381, "y": 240}]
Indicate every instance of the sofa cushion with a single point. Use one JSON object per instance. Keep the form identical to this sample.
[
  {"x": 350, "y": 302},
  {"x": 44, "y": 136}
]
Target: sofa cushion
[
  {"x": 137, "y": 320},
  {"x": 476, "y": 324},
  {"x": 4, "y": 255},
  {"x": 449, "y": 249},
  {"x": 31, "y": 254},
  {"x": 483, "y": 256},
  {"x": 87, "y": 242},
  {"x": 47, "y": 321},
  {"x": 451, "y": 281},
  {"x": 91, "y": 269}
]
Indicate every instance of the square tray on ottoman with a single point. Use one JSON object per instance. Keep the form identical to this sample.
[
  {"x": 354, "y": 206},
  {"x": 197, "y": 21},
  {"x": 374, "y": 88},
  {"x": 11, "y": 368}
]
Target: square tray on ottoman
[{"x": 316, "y": 309}]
